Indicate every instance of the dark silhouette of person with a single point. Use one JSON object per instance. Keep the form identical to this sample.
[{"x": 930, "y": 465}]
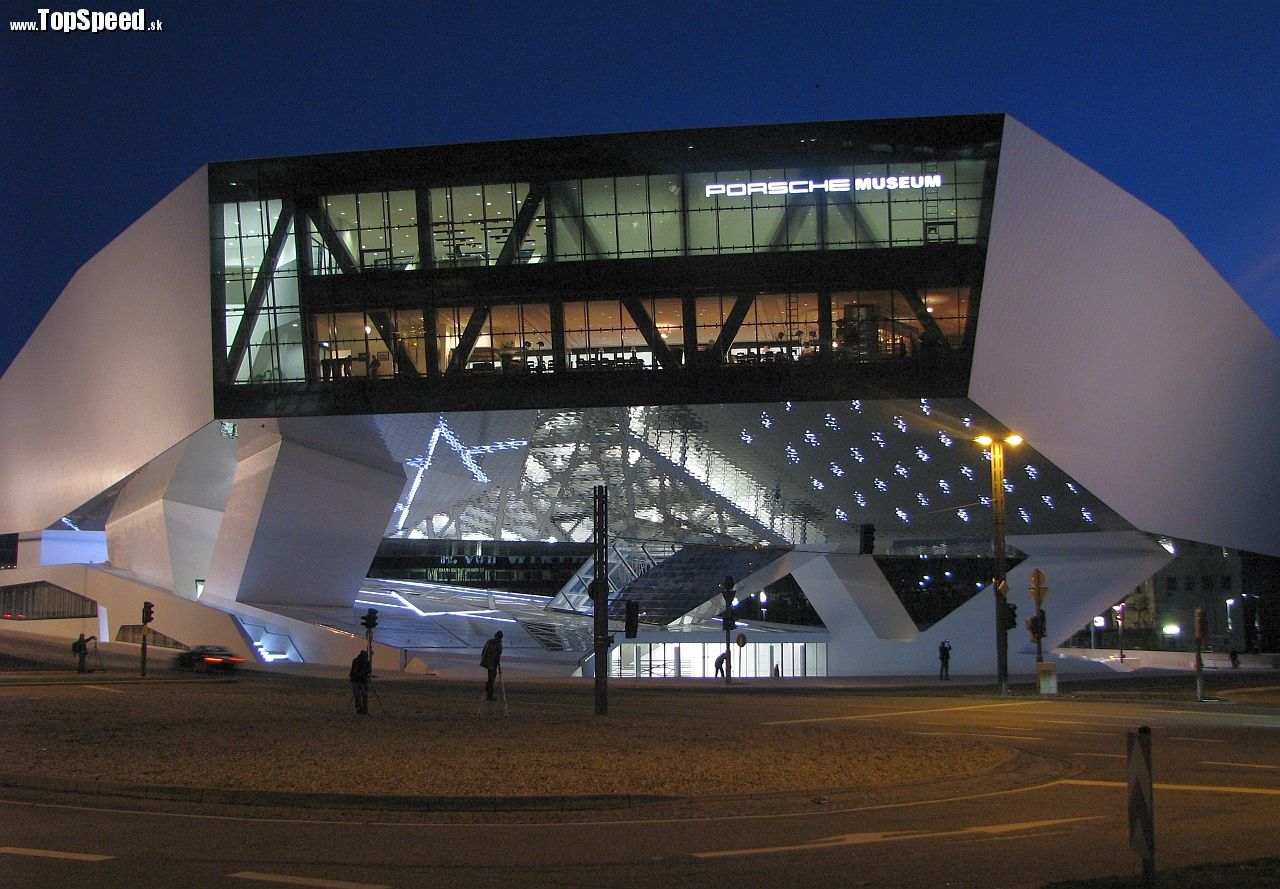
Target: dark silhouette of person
[
  {"x": 491, "y": 660},
  {"x": 80, "y": 648},
  {"x": 720, "y": 663},
  {"x": 361, "y": 670},
  {"x": 1235, "y": 659},
  {"x": 944, "y": 659}
]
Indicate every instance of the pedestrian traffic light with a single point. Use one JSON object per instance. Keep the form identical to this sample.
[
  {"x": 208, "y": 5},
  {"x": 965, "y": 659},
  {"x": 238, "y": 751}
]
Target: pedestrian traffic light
[
  {"x": 148, "y": 612},
  {"x": 370, "y": 619},
  {"x": 867, "y": 545},
  {"x": 633, "y": 619}
]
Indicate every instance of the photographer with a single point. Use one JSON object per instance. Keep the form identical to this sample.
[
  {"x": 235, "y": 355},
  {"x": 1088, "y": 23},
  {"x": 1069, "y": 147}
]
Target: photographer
[{"x": 80, "y": 648}]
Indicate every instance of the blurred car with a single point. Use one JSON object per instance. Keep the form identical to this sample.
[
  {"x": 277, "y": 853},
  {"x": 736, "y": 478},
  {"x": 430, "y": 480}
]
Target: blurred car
[{"x": 207, "y": 657}]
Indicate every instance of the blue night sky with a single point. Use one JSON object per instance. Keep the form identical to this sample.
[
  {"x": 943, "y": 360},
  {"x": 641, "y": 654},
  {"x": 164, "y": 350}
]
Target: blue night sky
[{"x": 1174, "y": 101}]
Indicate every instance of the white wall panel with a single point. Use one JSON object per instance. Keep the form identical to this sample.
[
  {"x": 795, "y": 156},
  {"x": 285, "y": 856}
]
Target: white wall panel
[
  {"x": 1116, "y": 349},
  {"x": 118, "y": 370}
]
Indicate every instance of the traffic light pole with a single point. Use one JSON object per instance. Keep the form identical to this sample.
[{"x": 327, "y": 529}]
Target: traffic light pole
[
  {"x": 726, "y": 590},
  {"x": 1000, "y": 583},
  {"x": 600, "y": 598}
]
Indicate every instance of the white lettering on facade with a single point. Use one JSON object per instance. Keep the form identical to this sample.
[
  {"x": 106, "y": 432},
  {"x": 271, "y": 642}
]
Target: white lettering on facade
[{"x": 808, "y": 186}]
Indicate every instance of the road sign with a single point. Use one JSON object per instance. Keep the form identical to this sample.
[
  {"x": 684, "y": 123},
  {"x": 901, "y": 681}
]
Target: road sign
[
  {"x": 1038, "y": 590},
  {"x": 741, "y": 640}
]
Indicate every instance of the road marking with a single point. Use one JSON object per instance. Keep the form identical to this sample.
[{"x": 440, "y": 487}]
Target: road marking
[
  {"x": 863, "y": 839},
  {"x": 1102, "y": 755},
  {"x": 52, "y": 853},
  {"x": 1242, "y": 765},
  {"x": 983, "y": 735},
  {"x": 1202, "y": 788},
  {"x": 1197, "y": 740},
  {"x": 1064, "y": 721},
  {"x": 899, "y": 713},
  {"x": 1099, "y": 734},
  {"x": 114, "y": 691},
  {"x": 304, "y": 881}
]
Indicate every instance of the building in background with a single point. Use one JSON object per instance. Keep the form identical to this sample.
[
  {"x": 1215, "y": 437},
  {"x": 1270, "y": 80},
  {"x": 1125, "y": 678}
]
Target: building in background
[{"x": 775, "y": 346}]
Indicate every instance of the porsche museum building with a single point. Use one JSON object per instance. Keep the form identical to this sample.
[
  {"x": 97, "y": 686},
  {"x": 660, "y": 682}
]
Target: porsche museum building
[{"x": 773, "y": 345}]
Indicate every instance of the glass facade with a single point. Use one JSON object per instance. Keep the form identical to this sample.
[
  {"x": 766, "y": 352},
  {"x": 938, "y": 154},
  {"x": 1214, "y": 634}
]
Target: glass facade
[
  {"x": 266, "y": 250},
  {"x": 255, "y": 269},
  {"x": 696, "y": 660}
]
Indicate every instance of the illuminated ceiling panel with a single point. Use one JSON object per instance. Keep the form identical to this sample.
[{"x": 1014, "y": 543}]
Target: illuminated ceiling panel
[{"x": 778, "y": 473}]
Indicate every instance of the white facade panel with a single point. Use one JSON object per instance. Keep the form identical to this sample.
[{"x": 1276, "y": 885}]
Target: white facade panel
[
  {"x": 1114, "y": 347},
  {"x": 118, "y": 370}
]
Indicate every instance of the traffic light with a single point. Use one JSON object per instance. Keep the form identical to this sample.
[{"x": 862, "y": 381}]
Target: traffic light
[
  {"x": 1010, "y": 616},
  {"x": 633, "y": 619},
  {"x": 1035, "y": 626},
  {"x": 867, "y": 545},
  {"x": 148, "y": 612},
  {"x": 370, "y": 619}
]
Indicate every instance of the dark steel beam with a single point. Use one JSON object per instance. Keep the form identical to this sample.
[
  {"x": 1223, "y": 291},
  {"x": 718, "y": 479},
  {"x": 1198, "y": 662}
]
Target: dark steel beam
[
  {"x": 258, "y": 295},
  {"x": 524, "y": 218},
  {"x": 732, "y": 324},
  {"x": 333, "y": 243},
  {"x": 400, "y": 355},
  {"x": 467, "y": 342},
  {"x": 932, "y": 333},
  {"x": 649, "y": 330}
]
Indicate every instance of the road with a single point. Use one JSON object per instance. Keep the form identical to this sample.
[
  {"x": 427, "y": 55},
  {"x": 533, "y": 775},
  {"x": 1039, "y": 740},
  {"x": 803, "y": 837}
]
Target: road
[{"x": 1060, "y": 812}]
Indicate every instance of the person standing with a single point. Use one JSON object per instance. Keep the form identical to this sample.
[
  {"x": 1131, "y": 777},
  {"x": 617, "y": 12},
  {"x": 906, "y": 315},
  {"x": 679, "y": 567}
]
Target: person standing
[
  {"x": 491, "y": 660},
  {"x": 944, "y": 659},
  {"x": 361, "y": 670},
  {"x": 720, "y": 661},
  {"x": 80, "y": 648}
]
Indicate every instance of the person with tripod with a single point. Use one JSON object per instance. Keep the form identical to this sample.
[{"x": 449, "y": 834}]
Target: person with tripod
[
  {"x": 361, "y": 670},
  {"x": 491, "y": 660},
  {"x": 80, "y": 648}
]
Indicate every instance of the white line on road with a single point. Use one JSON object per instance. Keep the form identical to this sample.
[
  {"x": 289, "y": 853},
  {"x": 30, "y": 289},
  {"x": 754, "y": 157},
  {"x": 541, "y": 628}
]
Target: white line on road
[
  {"x": 114, "y": 691},
  {"x": 1201, "y": 788},
  {"x": 1197, "y": 740},
  {"x": 53, "y": 853},
  {"x": 1099, "y": 734},
  {"x": 305, "y": 881},
  {"x": 1240, "y": 765},
  {"x": 887, "y": 713},
  {"x": 984, "y": 735},
  {"x": 862, "y": 839},
  {"x": 1102, "y": 755}
]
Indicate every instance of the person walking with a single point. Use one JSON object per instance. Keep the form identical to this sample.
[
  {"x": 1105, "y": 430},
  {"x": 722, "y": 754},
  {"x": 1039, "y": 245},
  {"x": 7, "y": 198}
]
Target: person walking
[
  {"x": 361, "y": 670},
  {"x": 491, "y": 660},
  {"x": 944, "y": 659},
  {"x": 80, "y": 648}
]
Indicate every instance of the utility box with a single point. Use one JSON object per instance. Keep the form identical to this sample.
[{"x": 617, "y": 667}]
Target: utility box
[{"x": 1047, "y": 677}]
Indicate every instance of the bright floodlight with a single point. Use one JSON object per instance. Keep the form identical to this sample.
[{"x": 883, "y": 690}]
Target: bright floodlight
[{"x": 987, "y": 441}]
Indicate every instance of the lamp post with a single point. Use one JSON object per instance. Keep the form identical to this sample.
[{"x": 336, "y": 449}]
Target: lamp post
[
  {"x": 1119, "y": 612},
  {"x": 1000, "y": 584}
]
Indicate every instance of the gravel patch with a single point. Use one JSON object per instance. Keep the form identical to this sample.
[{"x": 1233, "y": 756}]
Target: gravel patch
[{"x": 425, "y": 737}]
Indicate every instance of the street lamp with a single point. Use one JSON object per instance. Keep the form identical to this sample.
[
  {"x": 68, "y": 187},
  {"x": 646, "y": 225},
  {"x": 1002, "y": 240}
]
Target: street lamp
[{"x": 1000, "y": 585}]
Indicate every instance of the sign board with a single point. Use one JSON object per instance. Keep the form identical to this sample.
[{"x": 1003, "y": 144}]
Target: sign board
[
  {"x": 741, "y": 640},
  {"x": 1038, "y": 589}
]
